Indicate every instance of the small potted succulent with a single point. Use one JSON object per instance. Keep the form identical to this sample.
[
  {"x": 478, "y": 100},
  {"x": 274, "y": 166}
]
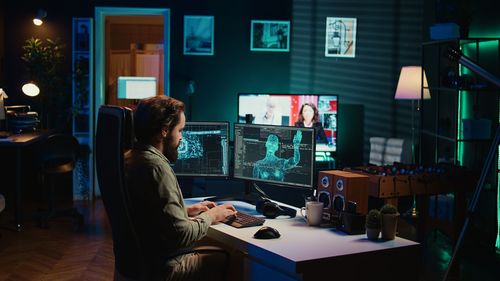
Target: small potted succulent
[
  {"x": 389, "y": 217},
  {"x": 373, "y": 224}
]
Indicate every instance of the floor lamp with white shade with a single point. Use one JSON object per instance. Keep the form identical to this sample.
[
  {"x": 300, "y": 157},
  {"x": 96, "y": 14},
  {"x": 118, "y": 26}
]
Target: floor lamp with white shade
[{"x": 410, "y": 87}]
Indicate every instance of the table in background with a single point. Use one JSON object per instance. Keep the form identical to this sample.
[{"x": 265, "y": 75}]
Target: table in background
[{"x": 20, "y": 142}]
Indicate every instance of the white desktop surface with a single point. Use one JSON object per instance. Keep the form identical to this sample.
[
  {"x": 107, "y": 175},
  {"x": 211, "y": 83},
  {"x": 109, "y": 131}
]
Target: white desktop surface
[{"x": 300, "y": 246}]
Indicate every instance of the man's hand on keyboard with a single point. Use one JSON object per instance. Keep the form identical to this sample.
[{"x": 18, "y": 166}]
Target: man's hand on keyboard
[
  {"x": 198, "y": 208},
  {"x": 221, "y": 212}
]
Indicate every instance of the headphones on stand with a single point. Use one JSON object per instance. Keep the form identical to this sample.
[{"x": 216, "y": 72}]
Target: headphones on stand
[{"x": 272, "y": 210}]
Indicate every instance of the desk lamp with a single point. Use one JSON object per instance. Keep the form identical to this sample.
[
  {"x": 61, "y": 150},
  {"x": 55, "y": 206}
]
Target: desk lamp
[{"x": 410, "y": 88}]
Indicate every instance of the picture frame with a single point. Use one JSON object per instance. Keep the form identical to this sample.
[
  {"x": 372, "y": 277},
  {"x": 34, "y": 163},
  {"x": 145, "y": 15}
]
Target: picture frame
[
  {"x": 270, "y": 35},
  {"x": 340, "y": 39},
  {"x": 82, "y": 29},
  {"x": 198, "y": 35}
]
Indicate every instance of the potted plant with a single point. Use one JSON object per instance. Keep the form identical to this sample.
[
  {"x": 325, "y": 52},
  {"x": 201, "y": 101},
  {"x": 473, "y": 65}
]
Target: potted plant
[
  {"x": 373, "y": 224},
  {"x": 389, "y": 217},
  {"x": 44, "y": 60}
]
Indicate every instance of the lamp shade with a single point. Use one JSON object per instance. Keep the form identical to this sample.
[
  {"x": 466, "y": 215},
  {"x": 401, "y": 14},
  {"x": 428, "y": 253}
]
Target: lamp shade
[
  {"x": 410, "y": 84},
  {"x": 135, "y": 87},
  {"x": 40, "y": 15},
  {"x": 30, "y": 89}
]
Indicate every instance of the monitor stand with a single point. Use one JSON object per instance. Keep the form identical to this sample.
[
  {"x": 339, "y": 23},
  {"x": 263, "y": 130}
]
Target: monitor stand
[{"x": 249, "y": 196}]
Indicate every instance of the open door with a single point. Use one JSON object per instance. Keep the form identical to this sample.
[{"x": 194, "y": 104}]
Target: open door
[{"x": 130, "y": 42}]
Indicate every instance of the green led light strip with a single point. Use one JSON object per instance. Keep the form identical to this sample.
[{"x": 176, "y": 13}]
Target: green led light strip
[{"x": 465, "y": 111}]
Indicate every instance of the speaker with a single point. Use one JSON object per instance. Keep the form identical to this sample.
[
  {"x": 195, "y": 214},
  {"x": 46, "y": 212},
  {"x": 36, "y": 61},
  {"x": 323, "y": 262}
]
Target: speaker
[
  {"x": 336, "y": 188},
  {"x": 272, "y": 210}
]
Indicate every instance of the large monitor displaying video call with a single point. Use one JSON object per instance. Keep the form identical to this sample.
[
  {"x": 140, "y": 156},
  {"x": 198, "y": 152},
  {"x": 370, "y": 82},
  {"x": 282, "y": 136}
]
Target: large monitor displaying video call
[
  {"x": 283, "y": 109},
  {"x": 280, "y": 155},
  {"x": 204, "y": 150}
]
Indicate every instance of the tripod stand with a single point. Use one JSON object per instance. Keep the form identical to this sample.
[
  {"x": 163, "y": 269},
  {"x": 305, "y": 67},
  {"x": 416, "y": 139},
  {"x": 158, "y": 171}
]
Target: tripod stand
[{"x": 456, "y": 55}]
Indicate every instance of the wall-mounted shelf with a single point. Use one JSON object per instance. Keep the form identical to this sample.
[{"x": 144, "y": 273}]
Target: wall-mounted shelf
[{"x": 82, "y": 97}]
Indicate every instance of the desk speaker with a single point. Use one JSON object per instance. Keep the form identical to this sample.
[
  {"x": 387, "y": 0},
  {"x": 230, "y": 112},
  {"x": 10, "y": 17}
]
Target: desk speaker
[{"x": 336, "y": 188}]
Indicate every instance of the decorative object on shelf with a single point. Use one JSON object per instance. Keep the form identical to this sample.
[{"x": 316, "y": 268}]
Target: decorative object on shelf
[
  {"x": 373, "y": 224},
  {"x": 389, "y": 217},
  {"x": 270, "y": 35},
  {"x": 444, "y": 31}
]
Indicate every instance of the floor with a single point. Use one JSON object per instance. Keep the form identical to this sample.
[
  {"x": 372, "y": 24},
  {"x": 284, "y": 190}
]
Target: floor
[{"x": 62, "y": 252}]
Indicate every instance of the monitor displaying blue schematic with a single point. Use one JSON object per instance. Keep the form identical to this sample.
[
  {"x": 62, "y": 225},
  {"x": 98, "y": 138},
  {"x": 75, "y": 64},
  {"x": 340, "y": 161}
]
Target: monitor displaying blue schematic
[
  {"x": 274, "y": 154},
  {"x": 204, "y": 150}
]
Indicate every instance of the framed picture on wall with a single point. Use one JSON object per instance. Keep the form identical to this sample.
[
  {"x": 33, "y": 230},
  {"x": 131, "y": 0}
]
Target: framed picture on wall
[
  {"x": 340, "y": 37},
  {"x": 270, "y": 36},
  {"x": 82, "y": 31},
  {"x": 199, "y": 35}
]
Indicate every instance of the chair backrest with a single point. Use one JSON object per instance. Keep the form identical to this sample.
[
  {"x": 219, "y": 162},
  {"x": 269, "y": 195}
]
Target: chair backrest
[
  {"x": 59, "y": 153},
  {"x": 377, "y": 149},
  {"x": 113, "y": 138},
  {"x": 397, "y": 150}
]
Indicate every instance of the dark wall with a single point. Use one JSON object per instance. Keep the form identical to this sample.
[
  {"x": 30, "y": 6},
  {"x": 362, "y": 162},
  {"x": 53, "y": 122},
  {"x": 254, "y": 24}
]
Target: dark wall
[
  {"x": 218, "y": 78},
  {"x": 233, "y": 68},
  {"x": 18, "y": 27},
  {"x": 388, "y": 36}
]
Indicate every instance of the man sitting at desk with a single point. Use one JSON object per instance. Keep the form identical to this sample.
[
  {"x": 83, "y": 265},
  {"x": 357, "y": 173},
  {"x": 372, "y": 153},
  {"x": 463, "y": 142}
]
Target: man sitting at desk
[{"x": 167, "y": 226}]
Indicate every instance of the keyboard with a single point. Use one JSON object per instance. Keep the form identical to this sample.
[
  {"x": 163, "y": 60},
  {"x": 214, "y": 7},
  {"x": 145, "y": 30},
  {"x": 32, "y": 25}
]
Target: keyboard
[{"x": 243, "y": 220}]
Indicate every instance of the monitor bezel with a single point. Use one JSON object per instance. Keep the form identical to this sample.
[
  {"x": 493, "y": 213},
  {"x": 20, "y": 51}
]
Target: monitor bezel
[
  {"x": 216, "y": 123},
  {"x": 291, "y": 94},
  {"x": 280, "y": 183}
]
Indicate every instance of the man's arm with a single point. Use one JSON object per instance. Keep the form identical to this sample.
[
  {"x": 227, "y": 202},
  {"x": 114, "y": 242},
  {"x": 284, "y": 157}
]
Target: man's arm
[{"x": 198, "y": 208}]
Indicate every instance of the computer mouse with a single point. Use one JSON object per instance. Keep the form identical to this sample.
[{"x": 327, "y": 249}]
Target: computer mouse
[{"x": 267, "y": 232}]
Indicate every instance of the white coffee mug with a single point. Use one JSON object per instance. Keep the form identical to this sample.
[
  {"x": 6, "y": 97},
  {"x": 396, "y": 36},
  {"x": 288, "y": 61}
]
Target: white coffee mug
[{"x": 313, "y": 212}]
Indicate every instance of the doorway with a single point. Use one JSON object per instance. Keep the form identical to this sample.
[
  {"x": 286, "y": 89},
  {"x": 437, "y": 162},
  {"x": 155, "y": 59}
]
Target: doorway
[{"x": 129, "y": 42}]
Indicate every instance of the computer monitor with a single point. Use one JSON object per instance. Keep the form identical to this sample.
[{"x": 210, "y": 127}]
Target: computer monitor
[
  {"x": 285, "y": 111},
  {"x": 134, "y": 87},
  {"x": 274, "y": 154},
  {"x": 204, "y": 150}
]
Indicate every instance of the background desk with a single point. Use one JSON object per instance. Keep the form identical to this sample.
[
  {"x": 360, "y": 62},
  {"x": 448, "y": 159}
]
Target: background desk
[
  {"x": 18, "y": 142},
  {"x": 308, "y": 253}
]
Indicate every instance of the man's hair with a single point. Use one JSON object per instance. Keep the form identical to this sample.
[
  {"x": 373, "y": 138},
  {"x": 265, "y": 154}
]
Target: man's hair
[{"x": 153, "y": 114}]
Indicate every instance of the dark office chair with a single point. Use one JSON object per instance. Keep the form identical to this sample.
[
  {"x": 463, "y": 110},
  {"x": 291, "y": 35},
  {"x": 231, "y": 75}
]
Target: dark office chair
[
  {"x": 113, "y": 139},
  {"x": 57, "y": 157}
]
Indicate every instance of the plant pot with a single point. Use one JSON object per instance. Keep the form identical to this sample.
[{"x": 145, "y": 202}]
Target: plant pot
[
  {"x": 389, "y": 226},
  {"x": 372, "y": 233}
]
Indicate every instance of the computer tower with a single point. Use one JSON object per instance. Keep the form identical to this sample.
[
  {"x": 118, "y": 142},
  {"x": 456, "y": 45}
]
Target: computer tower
[{"x": 336, "y": 188}]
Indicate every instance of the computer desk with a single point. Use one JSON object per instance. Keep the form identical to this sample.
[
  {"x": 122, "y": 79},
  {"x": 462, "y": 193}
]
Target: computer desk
[{"x": 308, "y": 253}]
